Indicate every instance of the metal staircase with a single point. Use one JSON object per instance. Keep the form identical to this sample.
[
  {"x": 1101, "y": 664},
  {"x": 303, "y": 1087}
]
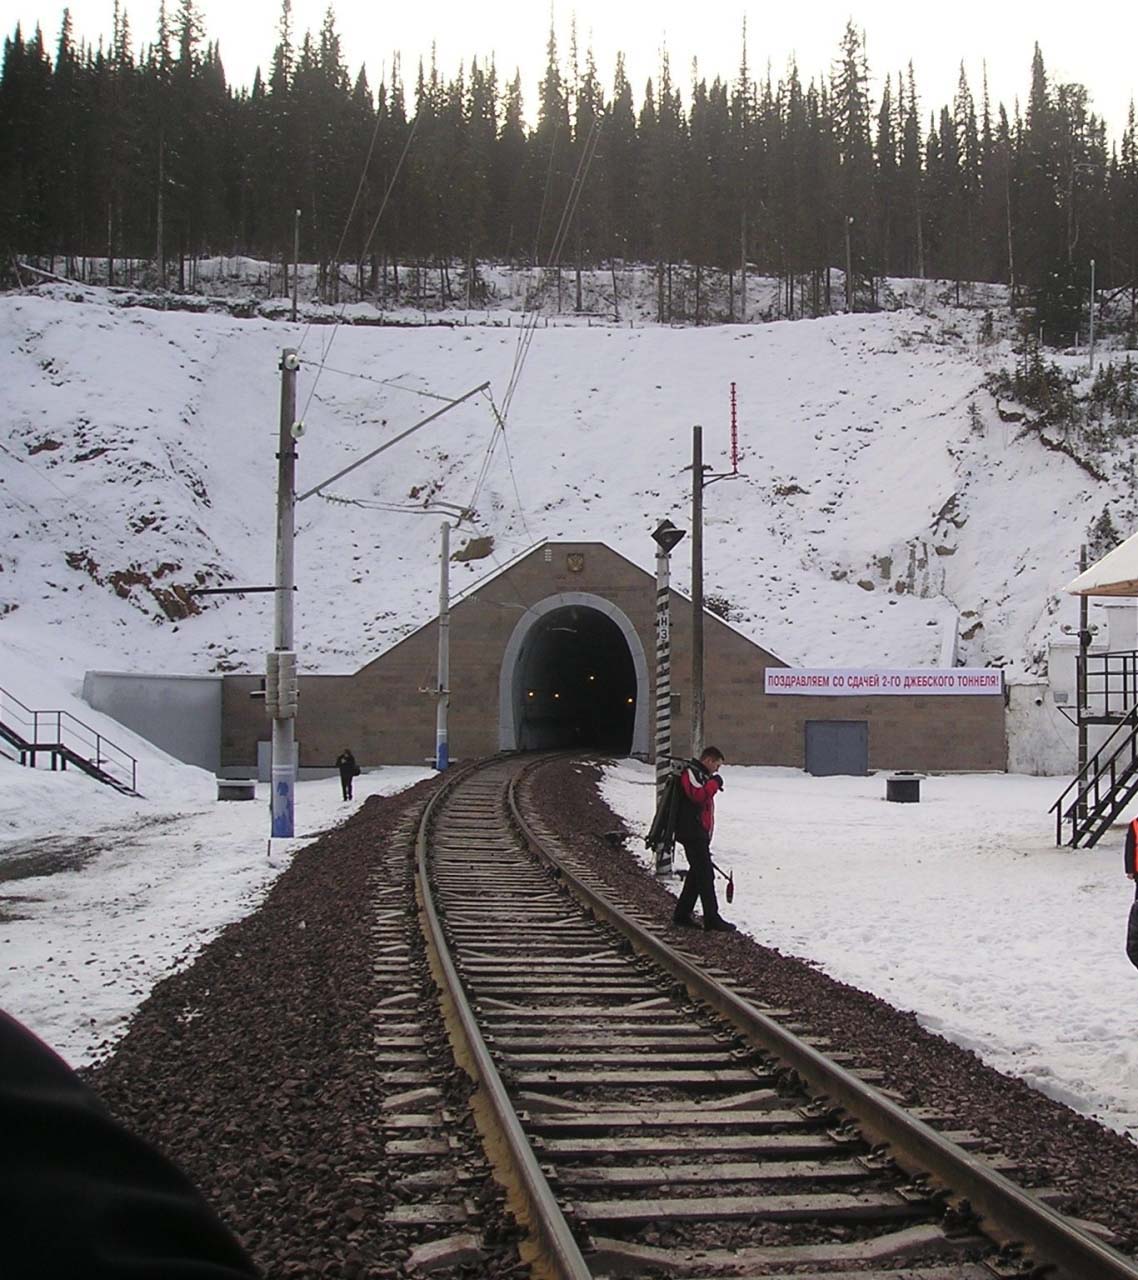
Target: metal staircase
[
  {"x": 65, "y": 740},
  {"x": 1103, "y": 789}
]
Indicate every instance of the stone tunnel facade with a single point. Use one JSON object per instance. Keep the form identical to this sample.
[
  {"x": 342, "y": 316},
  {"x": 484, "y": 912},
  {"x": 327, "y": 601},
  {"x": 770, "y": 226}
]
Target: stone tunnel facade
[{"x": 558, "y": 649}]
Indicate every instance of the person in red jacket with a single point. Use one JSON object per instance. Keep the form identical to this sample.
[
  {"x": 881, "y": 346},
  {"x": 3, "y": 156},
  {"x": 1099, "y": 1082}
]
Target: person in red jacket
[
  {"x": 1130, "y": 864},
  {"x": 700, "y": 783}
]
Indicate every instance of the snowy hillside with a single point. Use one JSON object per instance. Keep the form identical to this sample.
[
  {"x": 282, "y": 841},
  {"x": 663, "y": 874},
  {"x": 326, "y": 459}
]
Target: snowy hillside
[{"x": 883, "y": 507}]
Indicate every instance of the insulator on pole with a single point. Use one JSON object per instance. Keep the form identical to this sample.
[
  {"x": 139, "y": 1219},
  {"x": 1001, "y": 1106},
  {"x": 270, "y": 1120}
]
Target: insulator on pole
[
  {"x": 272, "y": 684},
  {"x": 288, "y": 686}
]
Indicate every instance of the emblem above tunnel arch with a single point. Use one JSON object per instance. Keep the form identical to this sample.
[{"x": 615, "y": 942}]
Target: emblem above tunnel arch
[{"x": 574, "y": 674}]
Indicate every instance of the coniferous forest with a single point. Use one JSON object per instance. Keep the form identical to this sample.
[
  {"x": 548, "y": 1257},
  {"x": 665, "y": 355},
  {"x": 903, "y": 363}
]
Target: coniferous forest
[{"x": 155, "y": 158}]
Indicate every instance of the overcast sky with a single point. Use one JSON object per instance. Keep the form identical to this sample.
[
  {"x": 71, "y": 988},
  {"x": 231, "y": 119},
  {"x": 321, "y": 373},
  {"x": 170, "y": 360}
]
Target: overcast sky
[{"x": 1096, "y": 49}]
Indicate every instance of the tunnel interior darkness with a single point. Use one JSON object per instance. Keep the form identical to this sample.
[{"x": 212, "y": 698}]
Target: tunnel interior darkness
[{"x": 575, "y": 684}]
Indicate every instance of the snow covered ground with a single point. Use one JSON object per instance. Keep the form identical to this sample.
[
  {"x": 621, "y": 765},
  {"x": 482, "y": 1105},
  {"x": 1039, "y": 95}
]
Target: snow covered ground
[
  {"x": 959, "y": 908},
  {"x": 131, "y": 890}
]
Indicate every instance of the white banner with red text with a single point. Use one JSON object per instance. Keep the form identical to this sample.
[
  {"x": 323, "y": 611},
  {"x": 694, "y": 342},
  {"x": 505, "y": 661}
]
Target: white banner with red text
[{"x": 840, "y": 682}]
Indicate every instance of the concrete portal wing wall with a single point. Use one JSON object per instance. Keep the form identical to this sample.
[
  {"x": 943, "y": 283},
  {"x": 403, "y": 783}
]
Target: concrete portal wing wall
[
  {"x": 386, "y": 713},
  {"x": 180, "y": 714}
]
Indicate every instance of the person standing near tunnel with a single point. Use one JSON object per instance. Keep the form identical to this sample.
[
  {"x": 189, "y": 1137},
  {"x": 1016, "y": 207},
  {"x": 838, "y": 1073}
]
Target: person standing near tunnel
[
  {"x": 700, "y": 783},
  {"x": 349, "y": 770}
]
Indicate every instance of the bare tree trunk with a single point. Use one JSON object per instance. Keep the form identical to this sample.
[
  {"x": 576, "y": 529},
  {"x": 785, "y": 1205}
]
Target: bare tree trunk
[
  {"x": 1011, "y": 251},
  {"x": 615, "y": 291},
  {"x": 743, "y": 268},
  {"x": 160, "y": 251}
]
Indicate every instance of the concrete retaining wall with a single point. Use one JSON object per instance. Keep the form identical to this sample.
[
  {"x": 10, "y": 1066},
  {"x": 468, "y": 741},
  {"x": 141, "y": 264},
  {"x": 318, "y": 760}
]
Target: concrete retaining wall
[{"x": 180, "y": 714}]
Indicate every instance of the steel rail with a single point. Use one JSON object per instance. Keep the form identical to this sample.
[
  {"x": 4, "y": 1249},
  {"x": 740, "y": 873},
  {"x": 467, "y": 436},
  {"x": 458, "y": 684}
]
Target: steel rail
[
  {"x": 1013, "y": 1212},
  {"x": 542, "y": 1210}
]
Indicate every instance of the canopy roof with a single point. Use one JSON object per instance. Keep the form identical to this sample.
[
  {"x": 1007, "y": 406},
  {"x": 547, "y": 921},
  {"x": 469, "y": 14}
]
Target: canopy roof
[{"x": 1116, "y": 574}]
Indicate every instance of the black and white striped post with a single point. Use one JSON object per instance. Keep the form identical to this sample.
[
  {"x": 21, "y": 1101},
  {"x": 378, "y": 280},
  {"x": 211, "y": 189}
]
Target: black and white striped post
[{"x": 666, "y": 536}]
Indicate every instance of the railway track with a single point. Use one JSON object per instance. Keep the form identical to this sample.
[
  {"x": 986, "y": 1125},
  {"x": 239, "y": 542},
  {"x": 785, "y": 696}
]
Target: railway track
[{"x": 647, "y": 1118}]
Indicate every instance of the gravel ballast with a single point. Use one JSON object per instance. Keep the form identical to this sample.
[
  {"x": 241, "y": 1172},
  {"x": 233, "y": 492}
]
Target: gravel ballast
[{"x": 251, "y": 1070}]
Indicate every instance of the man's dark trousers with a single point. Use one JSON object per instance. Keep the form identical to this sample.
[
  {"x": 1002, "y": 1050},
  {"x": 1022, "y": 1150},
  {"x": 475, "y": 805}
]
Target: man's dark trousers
[
  {"x": 699, "y": 881},
  {"x": 1132, "y": 933}
]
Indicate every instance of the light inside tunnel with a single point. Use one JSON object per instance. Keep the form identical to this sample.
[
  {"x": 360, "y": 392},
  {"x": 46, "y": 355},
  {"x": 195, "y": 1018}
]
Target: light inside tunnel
[{"x": 579, "y": 683}]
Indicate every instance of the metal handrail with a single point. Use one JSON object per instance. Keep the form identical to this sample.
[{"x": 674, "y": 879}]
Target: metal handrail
[
  {"x": 1126, "y": 727},
  {"x": 46, "y": 730},
  {"x": 1114, "y": 675}
]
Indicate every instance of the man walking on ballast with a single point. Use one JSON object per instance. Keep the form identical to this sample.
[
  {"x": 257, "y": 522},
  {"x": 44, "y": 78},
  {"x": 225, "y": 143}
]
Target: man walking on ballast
[{"x": 699, "y": 784}]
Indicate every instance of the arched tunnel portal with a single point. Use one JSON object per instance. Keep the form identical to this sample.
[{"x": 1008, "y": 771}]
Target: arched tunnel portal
[{"x": 574, "y": 675}]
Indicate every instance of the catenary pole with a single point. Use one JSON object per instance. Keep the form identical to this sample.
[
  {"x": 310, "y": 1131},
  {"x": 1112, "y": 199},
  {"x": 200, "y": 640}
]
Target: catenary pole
[
  {"x": 696, "y": 591},
  {"x": 280, "y": 680},
  {"x": 442, "y": 750}
]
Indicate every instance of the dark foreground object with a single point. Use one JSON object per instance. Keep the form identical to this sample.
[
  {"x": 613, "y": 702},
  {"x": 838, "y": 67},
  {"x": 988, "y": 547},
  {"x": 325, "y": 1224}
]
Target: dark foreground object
[{"x": 80, "y": 1196}]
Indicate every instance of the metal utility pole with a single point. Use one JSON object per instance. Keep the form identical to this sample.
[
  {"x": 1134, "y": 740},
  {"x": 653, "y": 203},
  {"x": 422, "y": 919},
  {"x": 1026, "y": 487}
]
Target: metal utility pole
[
  {"x": 666, "y": 536},
  {"x": 696, "y": 591},
  {"x": 294, "y": 431},
  {"x": 280, "y": 678},
  {"x": 442, "y": 750},
  {"x": 295, "y": 262},
  {"x": 699, "y": 481},
  {"x": 1092, "y": 344}
]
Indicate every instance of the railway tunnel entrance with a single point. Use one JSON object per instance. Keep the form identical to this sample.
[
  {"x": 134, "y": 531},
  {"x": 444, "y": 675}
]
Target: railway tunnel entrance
[{"x": 574, "y": 676}]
